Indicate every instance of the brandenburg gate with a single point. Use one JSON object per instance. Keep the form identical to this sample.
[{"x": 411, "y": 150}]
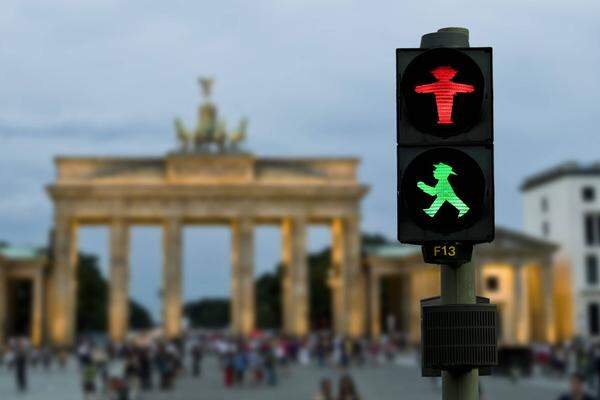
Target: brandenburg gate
[{"x": 209, "y": 180}]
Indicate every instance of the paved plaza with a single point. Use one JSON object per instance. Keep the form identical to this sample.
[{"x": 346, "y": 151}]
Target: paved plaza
[{"x": 389, "y": 382}]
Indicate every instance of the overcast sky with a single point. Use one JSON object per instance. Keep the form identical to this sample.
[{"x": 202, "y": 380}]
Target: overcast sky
[{"x": 315, "y": 78}]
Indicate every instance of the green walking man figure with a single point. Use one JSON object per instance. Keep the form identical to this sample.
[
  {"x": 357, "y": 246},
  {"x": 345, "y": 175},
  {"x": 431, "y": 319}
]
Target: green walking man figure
[{"x": 443, "y": 191}]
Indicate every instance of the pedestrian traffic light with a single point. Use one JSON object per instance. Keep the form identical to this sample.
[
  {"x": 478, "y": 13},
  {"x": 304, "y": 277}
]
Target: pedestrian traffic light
[{"x": 445, "y": 145}]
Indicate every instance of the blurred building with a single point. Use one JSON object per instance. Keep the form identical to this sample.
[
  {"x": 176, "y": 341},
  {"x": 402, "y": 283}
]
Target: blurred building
[
  {"x": 23, "y": 284},
  {"x": 210, "y": 179},
  {"x": 562, "y": 204},
  {"x": 514, "y": 271}
]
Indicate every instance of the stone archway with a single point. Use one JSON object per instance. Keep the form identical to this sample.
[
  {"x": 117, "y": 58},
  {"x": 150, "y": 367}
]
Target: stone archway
[{"x": 210, "y": 180}]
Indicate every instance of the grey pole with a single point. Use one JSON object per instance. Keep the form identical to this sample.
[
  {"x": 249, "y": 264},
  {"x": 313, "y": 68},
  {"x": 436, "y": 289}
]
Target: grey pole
[
  {"x": 457, "y": 282},
  {"x": 458, "y": 287}
]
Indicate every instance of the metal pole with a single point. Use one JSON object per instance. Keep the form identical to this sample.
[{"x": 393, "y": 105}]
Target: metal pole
[
  {"x": 458, "y": 287},
  {"x": 457, "y": 282}
]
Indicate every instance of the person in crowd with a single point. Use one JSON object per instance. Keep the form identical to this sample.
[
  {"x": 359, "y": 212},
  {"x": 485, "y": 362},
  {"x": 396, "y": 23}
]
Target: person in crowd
[
  {"x": 228, "y": 370},
  {"x": 132, "y": 373},
  {"x": 347, "y": 389},
  {"x": 83, "y": 352},
  {"x": 34, "y": 357},
  {"x": 345, "y": 352},
  {"x": 20, "y": 363},
  {"x": 321, "y": 351},
  {"x": 162, "y": 365},
  {"x": 196, "y": 353},
  {"x": 259, "y": 367},
  {"x": 145, "y": 368},
  {"x": 325, "y": 390},
  {"x": 88, "y": 378},
  {"x": 577, "y": 390},
  {"x": 358, "y": 352},
  {"x": 117, "y": 382},
  {"x": 46, "y": 355},
  {"x": 270, "y": 365},
  {"x": 62, "y": 358},
  {"x": 239, "y": 365},
  {"x": 304, "y": 354},
  {"x": 9, "y": 356}
]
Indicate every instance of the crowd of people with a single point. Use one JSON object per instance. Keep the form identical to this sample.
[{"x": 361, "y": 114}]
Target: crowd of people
[
  {"x": 579, "y": 360},
  {"x": 110, "y": 371},
  {"x": 124, "y": 371}
]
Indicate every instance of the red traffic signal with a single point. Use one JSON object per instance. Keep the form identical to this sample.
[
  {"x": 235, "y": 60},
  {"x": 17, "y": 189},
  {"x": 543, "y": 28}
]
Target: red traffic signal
[{"x": 445, "y": 145}]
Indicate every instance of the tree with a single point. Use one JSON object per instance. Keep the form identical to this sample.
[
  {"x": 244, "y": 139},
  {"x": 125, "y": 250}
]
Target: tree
[
  {"x": 268, "y": 299},
  {"x": 92, "y": 296},
  {"x": 320, "y": 293},
  {"x": 92, "y": 299},
  {"x": 215, "y": 312},
  {"x": 139, "y": 317},
  {"x": 208, "y": 313}
]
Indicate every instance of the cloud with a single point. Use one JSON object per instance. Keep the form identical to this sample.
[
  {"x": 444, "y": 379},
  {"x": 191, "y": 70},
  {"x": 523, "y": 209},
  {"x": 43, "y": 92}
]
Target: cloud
[{"x": 315, "y": 78}]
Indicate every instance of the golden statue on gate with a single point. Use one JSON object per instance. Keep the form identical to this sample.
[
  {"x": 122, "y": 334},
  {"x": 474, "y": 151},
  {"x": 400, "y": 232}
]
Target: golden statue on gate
[{"x": 210, "y": 135}]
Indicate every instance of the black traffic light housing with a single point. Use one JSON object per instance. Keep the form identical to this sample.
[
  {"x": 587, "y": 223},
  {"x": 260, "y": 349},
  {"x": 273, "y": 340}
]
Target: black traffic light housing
[{"x": 445, "y": 131}]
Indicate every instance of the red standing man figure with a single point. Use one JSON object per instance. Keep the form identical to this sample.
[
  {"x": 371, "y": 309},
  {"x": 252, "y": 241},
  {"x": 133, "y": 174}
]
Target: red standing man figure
[{"x": 444, "y": 90}]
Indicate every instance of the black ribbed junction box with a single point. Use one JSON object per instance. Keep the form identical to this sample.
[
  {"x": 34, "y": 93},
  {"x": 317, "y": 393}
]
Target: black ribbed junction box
[{"x": 458, "y": 336}]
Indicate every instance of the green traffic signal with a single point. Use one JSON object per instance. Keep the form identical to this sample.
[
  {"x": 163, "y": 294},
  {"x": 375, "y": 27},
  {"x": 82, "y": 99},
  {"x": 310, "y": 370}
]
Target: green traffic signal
[
  {"x": 445, "y": 145},
  {"x": 443, "y": 191}
]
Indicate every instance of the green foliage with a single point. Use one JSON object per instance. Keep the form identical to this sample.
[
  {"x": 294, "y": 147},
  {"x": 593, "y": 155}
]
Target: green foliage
[
  {"x": 320, "y": 294},
  {"x": 372, "y": 239},
  {"x": 208, "y": 313},
  {"x": 211, "y": 313},
  {"x": 268, "y": 299},
  {"x": 92, "y": 299},
  {"x": 139, "y": 317},
  {"x": 92, "y": 295},
  {"x": 215, "y": 312}
]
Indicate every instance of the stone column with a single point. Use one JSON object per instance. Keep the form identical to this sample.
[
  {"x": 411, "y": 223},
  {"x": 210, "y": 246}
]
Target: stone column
[
  {"x": 521, "y": 307},
  {"x": 349, "y": 294},
  {"x": 63, "y": 283},
  {"x": 37, "y": 306},
  {"x": 118, "y": 308},
  {"x": 337, "y": 316},
  {"x": 242, "y": 271},
  {"x": 375, "y": 304},
  {"x": 295, "y": 288},
  {"x": 172, "y": 278},
  {"x": 548, "y": 290}
]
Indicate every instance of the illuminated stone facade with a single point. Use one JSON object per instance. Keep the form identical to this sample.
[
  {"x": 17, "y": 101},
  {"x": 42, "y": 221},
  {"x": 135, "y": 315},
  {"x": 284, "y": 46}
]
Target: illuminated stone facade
[
  {"x": 515, "y": 272},
  {"x": 236, "y": 190}
]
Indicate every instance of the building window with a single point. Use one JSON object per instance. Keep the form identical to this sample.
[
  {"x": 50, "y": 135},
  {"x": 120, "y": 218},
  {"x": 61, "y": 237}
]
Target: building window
[
  {"x": 591, "y": 226},
  {"x": 544, "y": 204},
  {"x": 545, "y": 228},
  {"x": 591, "y": 269},
  {"x": 492, "y": 284},
  {"x": 593, "y": 319},
  {"x": 588, "y": 193}
]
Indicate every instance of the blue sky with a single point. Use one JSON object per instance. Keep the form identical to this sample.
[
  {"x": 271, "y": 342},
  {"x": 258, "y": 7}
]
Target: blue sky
[{"x": 314, "y": 77}]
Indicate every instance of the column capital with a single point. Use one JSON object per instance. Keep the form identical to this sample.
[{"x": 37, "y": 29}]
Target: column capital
[
  {"x": 173, "y": 219},
  {"x": 243, "y": 221}
]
